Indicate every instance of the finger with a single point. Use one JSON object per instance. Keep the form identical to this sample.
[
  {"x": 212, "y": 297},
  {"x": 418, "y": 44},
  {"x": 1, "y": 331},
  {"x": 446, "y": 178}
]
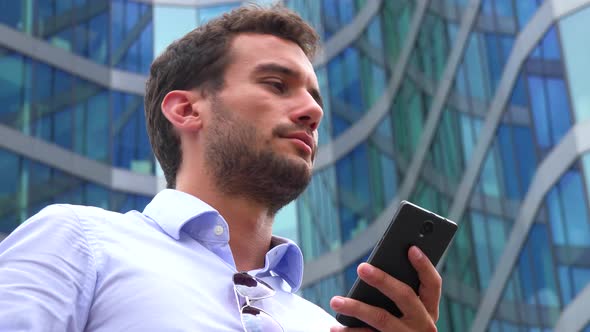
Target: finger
[
  {"x": 403, "y": 295},
  {"x": 350, "y": 329},
  {"x": 430, "y": 281},
  {"x": 376, "y": 317}
]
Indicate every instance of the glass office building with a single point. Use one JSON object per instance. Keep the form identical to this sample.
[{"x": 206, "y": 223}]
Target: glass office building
[
  {"x": 479, "y": 111},
  {"x": 71, "y": 122},
  {"x": 476, "y": 109}
]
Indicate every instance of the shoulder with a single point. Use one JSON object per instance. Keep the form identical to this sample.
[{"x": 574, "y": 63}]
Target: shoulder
[
  {"x": 61, "y": 227},
  {"x": 78, "y": 211},
  {"x": 58, "y": 225},
  {"x": 50, "y": 241},
  {"x": 74, "y": 232},
  {"x": 56, "y": 218},
  {"x": 68, "y": 218},
  {"x": 68, "y": 212},
  {"x": 86, "y": 216},
  {"x": 47, "y": 263}
]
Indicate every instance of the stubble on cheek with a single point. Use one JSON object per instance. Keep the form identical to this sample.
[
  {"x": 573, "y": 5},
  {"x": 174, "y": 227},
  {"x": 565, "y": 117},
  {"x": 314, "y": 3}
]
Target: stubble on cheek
[{"x": 244, "y": 164}]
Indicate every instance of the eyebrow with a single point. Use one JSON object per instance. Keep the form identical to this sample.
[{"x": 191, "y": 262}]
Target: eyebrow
[{"x": 286, "y": 71}]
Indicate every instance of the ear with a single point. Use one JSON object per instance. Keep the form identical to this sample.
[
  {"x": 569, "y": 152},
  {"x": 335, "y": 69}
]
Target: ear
[{"x": 181, "y": 108}]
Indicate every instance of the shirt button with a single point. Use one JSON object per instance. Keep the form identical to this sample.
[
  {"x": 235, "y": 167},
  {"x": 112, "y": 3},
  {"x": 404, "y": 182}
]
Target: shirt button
[{"x": 218, "y": 230}]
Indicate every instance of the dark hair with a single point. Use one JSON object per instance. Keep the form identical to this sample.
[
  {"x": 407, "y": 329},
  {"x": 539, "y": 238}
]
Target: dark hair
[{"x": 199, "y": 60}]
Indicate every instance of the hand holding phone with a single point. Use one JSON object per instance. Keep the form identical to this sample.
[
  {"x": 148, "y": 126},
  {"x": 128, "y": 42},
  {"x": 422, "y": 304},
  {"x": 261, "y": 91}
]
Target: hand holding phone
[{"x": 411, "y": 225}]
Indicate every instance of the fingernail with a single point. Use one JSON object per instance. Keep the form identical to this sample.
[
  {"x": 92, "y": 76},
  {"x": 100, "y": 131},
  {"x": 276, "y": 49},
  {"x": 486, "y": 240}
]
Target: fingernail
[
  {"x": 337, "y": 302},
  {"x": 416, "y": 253},
  {"x": 367, "y": 270}
]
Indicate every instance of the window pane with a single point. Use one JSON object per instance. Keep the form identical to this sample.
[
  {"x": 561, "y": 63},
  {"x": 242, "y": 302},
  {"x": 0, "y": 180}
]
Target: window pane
[
  {"x": 97, "y": 133},
  {"x": 539, "y": 110},
  {"x": 12, "y": 85},
  {"x": 574, "y": 38},
  {"x": 559, "y": 109},
  {"x": 575, "y": 209}
]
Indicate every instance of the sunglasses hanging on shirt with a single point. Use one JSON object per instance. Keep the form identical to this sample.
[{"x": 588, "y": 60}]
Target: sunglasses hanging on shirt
[{"x": 250, "y": 289}]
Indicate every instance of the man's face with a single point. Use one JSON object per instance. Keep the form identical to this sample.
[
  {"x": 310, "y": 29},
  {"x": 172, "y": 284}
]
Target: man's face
[{"x": 262, "y": 137}]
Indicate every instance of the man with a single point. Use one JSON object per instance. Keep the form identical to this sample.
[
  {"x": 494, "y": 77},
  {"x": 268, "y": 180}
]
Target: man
[{"x": 232, "y": 111}]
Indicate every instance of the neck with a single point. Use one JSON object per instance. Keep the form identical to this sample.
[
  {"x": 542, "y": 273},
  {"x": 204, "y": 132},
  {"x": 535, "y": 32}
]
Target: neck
[{"x": 250, "y": 225}]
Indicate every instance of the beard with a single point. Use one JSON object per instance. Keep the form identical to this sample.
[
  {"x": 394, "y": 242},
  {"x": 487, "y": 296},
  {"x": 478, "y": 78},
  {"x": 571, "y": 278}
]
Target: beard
[{"x": 243, "y": 166}]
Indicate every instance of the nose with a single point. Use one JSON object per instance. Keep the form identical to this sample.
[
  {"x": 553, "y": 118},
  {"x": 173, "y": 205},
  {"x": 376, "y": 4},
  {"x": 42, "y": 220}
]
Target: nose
[{"x": 309, "y": 113}]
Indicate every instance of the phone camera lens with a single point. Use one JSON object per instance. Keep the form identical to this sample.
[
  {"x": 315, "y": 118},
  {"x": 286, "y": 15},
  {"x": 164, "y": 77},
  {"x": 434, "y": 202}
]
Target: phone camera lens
[{"x": 427, "y": 227}]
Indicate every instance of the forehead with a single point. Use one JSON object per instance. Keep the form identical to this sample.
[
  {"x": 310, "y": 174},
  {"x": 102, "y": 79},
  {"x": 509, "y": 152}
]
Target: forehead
[{"x": 250, "y": 49}]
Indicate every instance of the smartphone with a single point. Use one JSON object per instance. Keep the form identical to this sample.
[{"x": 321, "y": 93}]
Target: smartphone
[{"x": 411, "y": 225}]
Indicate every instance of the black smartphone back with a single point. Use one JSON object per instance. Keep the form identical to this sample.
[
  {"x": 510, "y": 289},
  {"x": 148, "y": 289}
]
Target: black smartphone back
[{"x": 411, "y": 225}]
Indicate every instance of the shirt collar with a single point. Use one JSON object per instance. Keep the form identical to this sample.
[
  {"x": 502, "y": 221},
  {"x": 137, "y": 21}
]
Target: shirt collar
[
  {"x": 175, "y": 211},
  {"x": 172, "y": 210},
  {"x": 285, "y": 260}
]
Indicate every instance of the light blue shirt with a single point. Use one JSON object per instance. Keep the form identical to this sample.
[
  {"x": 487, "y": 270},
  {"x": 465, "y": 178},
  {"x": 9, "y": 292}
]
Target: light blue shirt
[{"x": 170, "y": 268}]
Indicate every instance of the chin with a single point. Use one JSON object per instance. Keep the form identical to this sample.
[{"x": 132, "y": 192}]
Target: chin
[{"x": 302, "y": 159}]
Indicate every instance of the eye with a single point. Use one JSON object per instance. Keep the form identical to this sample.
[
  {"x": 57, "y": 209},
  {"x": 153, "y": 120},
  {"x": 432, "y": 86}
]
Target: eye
[{"x": 278, "y": 86}]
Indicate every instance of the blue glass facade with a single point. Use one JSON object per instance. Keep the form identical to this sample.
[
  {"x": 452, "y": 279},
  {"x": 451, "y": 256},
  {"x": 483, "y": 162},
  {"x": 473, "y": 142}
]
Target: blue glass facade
[
  {"x": 475, "y": 109},
  {"x": 48, "y": 102},
  {"x": 117, "y": 33},
  {"x": 489, "y": 97},
  {"x": 28, "y": 185}
]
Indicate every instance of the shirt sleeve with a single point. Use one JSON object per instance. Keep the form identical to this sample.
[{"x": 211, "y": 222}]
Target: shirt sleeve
[{"x": 47, "y": 274}]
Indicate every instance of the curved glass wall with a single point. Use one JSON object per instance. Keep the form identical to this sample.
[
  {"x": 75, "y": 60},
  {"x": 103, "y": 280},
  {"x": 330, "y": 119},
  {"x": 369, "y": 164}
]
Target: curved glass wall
[
  {"x": 131, "y": 147},
  {"x": 321, "y": 292},
  {"x": 573, "y": 40},
  {"x": 395, "y": 17},
  {"x": 26, "y": 186},
  {"x": 172, "y": 22},
  {"x": 453, "y": 9},
  {"x": 432, "y": 47},
  {"x": 117, "y": 33},
  {"x": 552, "y": 267},
  {"x": 504, "y": 178},
  {"x": 345, "y": 198},
  {"x": 52, "y": 105},
  {"x": 358, "y": 76},
  {"x": 551, "y": 270},
  {"x": 528, "y": 129},
  {"x": 132, "y": 32},
  {"x": 546, "y": 100},
  {"x": 310, "y": 11},
  {"x": 336, "y": 14}
]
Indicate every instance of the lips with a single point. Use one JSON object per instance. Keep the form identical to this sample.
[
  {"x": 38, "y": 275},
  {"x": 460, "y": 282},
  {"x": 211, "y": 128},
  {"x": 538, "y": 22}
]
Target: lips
[{"x": 304, "y": 137}]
